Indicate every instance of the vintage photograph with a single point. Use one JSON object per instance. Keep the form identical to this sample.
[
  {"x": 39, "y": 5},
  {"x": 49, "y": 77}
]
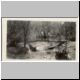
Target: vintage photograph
[{"x": 41, "y": 40}]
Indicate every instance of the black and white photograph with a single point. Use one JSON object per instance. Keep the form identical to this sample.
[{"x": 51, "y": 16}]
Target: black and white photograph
[{"x": 40, "y": 39}]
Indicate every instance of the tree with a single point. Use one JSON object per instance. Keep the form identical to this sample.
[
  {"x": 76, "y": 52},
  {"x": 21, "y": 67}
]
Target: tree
[
  {"x": 25, "y": 32},
  {"x": 13, "y": 35},
  {"x": 70, "y": 28}
]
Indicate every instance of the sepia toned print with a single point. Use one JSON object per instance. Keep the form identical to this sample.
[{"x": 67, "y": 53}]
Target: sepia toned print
[{"x": 41, "y": 40}]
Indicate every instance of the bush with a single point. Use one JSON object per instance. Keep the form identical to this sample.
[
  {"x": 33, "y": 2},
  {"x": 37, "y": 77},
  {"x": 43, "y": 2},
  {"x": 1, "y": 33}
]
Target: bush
[{"x": 61, "y": 55}]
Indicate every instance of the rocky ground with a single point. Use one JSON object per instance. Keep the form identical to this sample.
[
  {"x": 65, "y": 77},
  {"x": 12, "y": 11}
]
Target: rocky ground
[{"x": 41, "y": 52}]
